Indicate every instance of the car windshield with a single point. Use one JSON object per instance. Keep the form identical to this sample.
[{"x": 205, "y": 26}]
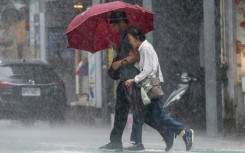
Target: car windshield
[{"x": 26, "y": 71}]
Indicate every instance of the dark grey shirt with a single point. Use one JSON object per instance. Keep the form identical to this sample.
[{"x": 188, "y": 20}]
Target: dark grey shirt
[{"x": 127, "y": 71}]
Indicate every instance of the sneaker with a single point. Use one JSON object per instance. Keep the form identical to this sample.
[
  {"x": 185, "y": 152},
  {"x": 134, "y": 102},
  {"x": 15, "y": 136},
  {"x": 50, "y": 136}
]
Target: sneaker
[
  {"x": 188, "y": 138},
  {"x": 169, "y": 140},
  {"x": 112, "y": 147},
  {"x": 135, "y": 148}
]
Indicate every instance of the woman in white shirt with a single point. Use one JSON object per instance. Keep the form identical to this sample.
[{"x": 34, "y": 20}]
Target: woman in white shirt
[{"x": 148, "y": 65}]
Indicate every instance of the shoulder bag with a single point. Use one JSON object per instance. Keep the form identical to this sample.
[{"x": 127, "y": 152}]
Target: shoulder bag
[{"x": 152, "y": 86}]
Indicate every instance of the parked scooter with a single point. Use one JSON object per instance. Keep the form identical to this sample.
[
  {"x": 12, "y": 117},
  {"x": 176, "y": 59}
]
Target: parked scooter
[{"x": 179, "y": 92}]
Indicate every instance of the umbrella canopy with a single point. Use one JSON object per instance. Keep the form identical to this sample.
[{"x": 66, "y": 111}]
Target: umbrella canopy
[{"x": 91, "y": 30}]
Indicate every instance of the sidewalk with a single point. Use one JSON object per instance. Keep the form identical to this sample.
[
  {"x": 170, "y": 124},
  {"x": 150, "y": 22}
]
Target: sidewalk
[
  {"x": 87, "y": 138},
  {"x": 154, "y": 143},
  {"x": 153, "y": 140},
  {"x": 202, "y": 142}
]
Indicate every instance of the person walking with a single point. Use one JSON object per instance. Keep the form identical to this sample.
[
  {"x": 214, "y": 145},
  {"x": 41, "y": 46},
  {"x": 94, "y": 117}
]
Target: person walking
[
  {"x": 149, "y": 66},
  {"x": 124, "y": 65},
  {"x": 119, "y": 22}
]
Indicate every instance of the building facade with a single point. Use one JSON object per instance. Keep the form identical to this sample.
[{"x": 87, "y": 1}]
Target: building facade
[{"x": 203, "y": 38}]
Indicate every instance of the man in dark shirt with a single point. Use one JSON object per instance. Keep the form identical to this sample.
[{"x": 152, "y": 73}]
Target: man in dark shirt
[{"x": 120, "y": 24}]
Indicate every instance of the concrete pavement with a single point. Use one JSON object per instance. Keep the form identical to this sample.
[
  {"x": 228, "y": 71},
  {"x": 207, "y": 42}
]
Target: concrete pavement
[{"x": 85, "y": 138}]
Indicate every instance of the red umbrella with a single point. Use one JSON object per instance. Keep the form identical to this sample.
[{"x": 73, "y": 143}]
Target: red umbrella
[{"x": 92, "y": 32}]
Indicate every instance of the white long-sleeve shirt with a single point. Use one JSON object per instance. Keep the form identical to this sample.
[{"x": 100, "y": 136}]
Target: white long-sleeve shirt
[{"x": 148, "y": 63}]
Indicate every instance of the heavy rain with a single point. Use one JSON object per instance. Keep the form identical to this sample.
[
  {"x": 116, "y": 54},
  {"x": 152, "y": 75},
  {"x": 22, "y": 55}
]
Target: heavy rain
[{"x": 57, "y": 93}]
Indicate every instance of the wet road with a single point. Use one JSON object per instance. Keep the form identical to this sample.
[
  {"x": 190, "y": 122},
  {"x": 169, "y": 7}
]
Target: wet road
[{"x": 42, "y": 137}]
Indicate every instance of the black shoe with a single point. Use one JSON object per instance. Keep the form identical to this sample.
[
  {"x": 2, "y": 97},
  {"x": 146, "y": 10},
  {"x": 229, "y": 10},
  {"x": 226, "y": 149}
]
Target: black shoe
[
  {"x": 169, "y": 140},
  {"x": 112, "y": 147},
  {"x": 188, "y": 138},
  {"x": 135, "y": 148}
]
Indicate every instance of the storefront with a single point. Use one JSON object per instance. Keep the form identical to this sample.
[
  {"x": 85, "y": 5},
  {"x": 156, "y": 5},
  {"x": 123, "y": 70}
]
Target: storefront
[
  {"x": 239, "y": 59},
  {"x": 85, "y": 73}
]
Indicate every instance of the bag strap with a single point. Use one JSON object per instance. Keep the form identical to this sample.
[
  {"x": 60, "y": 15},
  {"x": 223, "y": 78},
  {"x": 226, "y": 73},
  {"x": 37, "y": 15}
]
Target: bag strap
[{"x": 157, "y": 75}]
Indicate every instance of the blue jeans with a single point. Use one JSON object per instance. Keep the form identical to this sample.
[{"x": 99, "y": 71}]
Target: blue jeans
[{"x": 155, "y": 117}]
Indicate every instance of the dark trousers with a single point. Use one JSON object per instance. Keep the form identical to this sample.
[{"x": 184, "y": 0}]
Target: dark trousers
[
  {"x": 121, "y": 114},
  {"x": 155, "y": 117}
]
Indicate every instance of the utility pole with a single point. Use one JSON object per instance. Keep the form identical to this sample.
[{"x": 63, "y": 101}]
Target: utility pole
[{"x": 212, "y": 63}]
